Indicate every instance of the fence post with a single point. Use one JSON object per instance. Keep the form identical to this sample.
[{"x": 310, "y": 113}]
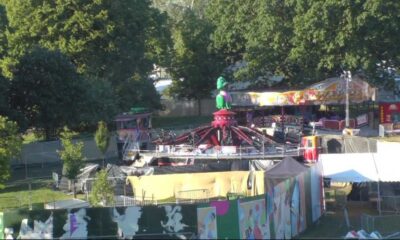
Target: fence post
[{"x": 30, "y": 196}]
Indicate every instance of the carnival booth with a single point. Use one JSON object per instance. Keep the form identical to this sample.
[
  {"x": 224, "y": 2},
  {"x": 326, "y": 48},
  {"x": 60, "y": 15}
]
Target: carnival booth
[
  {"x": 389, "y": 118},
  {"x": 133, "y": 132},
  {"x": 296, "y": 107}
]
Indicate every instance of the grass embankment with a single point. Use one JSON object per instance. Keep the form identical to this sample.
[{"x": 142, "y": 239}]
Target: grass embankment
[{"x": 30, "y": 192}]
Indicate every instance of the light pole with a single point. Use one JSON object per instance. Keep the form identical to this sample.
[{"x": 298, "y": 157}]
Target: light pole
[{"x": 347, "y": 76}]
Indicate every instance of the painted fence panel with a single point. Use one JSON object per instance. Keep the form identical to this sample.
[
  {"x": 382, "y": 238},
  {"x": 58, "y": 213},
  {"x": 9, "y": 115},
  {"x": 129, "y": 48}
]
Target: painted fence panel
[
  {"x": 286, "y": 210},
  {"x": 207, "y": 223},
  {"x": 252, "y": 220},
  {"x": 227, "y": 218}
]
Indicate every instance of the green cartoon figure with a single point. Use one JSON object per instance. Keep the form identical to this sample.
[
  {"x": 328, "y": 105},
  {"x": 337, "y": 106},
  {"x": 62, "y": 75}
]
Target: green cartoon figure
[{"x": 223, "y": 99}]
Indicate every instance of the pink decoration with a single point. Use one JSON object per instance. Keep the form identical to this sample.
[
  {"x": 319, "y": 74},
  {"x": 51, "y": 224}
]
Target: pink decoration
[{"x": 221, "y": 207}]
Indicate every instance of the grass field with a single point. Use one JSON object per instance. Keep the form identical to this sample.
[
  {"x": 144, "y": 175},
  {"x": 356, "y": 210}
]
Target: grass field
[
  {"x": 332, "y": 225},
  {"x": 30, "y": 193}
]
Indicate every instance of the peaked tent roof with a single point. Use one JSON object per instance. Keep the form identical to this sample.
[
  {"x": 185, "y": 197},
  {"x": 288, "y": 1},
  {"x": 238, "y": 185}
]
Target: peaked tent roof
[{"x": 288, "y": 167}]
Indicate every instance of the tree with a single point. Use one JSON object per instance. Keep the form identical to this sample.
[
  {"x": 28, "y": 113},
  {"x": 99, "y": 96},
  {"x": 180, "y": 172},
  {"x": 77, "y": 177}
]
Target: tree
[
  {"x": 306, "y": 41},
  {"x": 351, "y": 35},
  {"x": 102, "y": 138},
  {"x": 10, "y": 147},
  {"x": 231, "y": 20},
  {"x": 102, "y": 191},
  {"x": 112, "y": 40},
  {"x": 71, "y": 155},
  {"x": 3, "y": 27},
  {"x": 100, "y": 102},
  {"x": 194, "y": 69},
  {"x": 47, "y": 90},
  {"x": 4, "y": 88}
]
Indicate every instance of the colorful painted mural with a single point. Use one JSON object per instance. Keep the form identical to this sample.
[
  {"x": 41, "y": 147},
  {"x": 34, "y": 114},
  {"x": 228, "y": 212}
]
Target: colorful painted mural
[
  {"x": 227, "y": 218},
  {"x": 287, "y": 209},
  {"x": 252, "y": 220},
  {"x": 207, "y": 223}
]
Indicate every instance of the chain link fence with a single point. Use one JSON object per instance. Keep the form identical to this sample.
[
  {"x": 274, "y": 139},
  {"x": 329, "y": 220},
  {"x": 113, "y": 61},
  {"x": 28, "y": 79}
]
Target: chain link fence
[{"x": 384, "y": 224}]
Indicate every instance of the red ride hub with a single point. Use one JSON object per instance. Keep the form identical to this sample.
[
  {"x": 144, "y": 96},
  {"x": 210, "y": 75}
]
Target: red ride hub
[{"x": 224, "y": 118}]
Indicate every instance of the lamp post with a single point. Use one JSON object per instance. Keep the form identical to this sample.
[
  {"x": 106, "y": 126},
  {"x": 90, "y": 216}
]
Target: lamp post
[{"x": 347, "y": 76}]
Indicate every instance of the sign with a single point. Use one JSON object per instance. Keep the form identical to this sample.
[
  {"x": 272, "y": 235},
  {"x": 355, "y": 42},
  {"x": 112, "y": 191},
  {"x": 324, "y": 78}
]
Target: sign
[
  {"x": 362, "y": 120},
  {"x": 330, "y": 91},
  {"x": 389, "y": 112}
]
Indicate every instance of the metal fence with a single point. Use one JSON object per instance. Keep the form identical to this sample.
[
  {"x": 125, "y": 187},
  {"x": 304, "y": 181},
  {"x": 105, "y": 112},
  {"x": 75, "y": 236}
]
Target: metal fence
[
  {"x": 191, "y": 196},
  {"x": 384, "y": 224},
  {"x": 390, "y": 204}
]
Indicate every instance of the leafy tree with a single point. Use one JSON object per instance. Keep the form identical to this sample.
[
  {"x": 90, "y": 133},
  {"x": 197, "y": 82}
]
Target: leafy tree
[
  {"x": 3, "y": 27},
  {"x": 111, "y": 40},
  {"x": 47, "y": 90},
  {"x": 4, "y": 87},
  {"x": 355, "y": 35},
  {"x": 231, "y": 20},
  {"x": 194, "y": 68},
  {"x": 102, "y": 138},
  {"x": 102, "y": 191},
  {"x": 306, "y": 41},
  {"x": 137, "y": 90},
  {"x": 100, "y": 102},
  {"x": 10, "y": 147},
  {"x": 71, "y": 155}
]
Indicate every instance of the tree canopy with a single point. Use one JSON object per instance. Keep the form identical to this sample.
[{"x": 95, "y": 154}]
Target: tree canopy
[
  {"x": 111, "y": 40},
  {"x": 47, "y": 90},
  {"x": 194, "y": 65},
  {"x": 306, "y": 41},
  {"x": 10, "y": 147},
  {"x": 108, "y": 48}
]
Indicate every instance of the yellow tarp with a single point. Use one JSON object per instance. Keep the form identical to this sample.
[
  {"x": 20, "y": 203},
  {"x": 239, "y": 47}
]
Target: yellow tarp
[{"x": 197, "y": 185}]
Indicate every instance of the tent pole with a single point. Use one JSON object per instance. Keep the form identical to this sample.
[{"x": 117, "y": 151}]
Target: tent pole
[{"x": 379, "y": 179}]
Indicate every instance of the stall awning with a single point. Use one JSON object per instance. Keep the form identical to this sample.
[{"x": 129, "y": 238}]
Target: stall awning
[{"x": 329, "y": 91}]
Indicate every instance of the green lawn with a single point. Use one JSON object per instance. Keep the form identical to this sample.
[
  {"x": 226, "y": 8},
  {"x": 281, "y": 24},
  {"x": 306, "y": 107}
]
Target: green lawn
[
  {"x": 332, "y": 224},
  {"x": 17, "y": 194}
]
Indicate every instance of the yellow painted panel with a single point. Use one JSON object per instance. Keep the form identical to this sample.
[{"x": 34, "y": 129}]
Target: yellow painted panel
[{"x": 216, "y": 184}]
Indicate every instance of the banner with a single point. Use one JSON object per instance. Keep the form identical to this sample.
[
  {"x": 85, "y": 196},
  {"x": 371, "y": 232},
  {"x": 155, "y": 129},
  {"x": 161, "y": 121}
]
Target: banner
[{"x": 330, "y": 91}]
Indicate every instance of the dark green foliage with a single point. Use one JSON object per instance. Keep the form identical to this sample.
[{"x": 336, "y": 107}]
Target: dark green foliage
[
  {"x": 307, "y": 41},
  {"x": 10, "y": 147},
  {"x": 107, "y": 40},
  {"x": 194, "y": 66},
  {"x": 4, "y": 88},
  {"x": 47, "y": 90}
]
